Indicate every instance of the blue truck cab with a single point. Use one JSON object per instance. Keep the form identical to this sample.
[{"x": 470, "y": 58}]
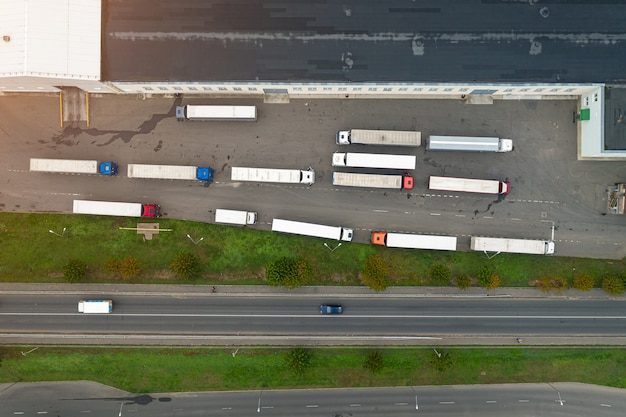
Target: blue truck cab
[
  {"x": 204, "y": 174},
  {"x": 107, "y": 168}
]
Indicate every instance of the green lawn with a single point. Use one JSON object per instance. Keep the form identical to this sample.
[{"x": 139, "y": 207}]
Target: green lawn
[
  {"x": 164, "y": 370},
  {"x": 237, "y": 255}
]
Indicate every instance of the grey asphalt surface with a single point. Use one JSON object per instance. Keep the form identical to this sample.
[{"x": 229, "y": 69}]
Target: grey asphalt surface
[
  {"x": 551, "y": 399},
  {"x": 549, "y": 186}
]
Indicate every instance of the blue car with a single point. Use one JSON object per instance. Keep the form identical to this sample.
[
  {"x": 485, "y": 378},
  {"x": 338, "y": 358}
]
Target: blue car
[{"x": 331, "y": 309}]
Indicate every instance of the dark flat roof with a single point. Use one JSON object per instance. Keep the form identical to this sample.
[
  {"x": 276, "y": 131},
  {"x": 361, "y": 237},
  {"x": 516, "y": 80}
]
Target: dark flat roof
[{"x": 365, "y": 40}]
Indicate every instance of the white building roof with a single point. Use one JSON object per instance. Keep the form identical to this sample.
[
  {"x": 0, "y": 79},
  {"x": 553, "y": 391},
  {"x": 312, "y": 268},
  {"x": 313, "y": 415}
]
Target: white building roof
[{"x": 50, "y": 38}]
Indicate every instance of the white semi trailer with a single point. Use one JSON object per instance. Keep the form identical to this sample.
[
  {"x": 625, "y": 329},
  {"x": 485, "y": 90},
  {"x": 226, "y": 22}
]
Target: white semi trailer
[
  {"x": 379, "y": 137},
  {"x": 526, "y": 246},
  {"x": 114, "y": 208},
  {"x": 414, "y": 241},
  {"x": 468, "y": 185},
  {"x": 72, "y": 166},
  {"x": 353, "y": 179},
  {"x": 170, "y": 172},
  {"x": 373, "y": 160},
  {"x": 311, "y": 229},
  {"x": 469, "y": 144},
  {"x": 287, "y": 176}
]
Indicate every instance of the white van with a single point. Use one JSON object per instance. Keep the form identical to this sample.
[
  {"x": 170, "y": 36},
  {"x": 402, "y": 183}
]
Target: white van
[{"x": 239, "y": 217}]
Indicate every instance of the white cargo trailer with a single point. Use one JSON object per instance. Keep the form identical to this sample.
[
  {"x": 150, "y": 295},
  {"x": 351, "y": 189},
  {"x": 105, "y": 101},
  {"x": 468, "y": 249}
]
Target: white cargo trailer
[
  {"x": 469, "y": 144},
  {"x": 311, "y": 229},
  {"x": 525, "y": 246},
  {"x": 287, "y": 176},
  {"x": 114, "y": 208},
  {"x": 216, "y": 113},
  {"x": 373, "y": 160},
  {"x": 468, "y": 185},
  {"x": 353, "y": 179},
  {"x": 379, "y": 137},
  {"x": 239, "y": 217},
  {"x": 72, "y": 166},
  {"x": 414, "y": 241},
  {"x": 95, "y": 306},
  {"x": 170, "y": 172}
]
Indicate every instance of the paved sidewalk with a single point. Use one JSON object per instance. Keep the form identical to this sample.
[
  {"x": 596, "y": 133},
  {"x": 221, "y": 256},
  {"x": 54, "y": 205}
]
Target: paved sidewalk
[{"x": 314, "y": 291}]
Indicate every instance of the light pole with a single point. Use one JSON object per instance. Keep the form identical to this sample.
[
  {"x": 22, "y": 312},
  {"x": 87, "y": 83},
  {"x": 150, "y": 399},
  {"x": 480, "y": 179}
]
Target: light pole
[
  {"x": 121, "y": 405},
  {"x": 332, "y": 249},
  {"x": 560, "y": 401},
  {"x": 59, "y": 235},
  {"x": 32, "y": 350},
  {"x": 195, "y": 242},
  {"x": 258, "y": 408},
  {"x": 416, "y": 406}
]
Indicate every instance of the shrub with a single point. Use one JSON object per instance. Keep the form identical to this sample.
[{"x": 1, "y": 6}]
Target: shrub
[
  {"x": 484, "y": 276},
  {"x": 74, "y": 270},
  {"x": 374, "y": 361},
  {"x": 439, "y": 274},
  {"x": 463, "y": 281},
  {"x": 493, "y": 282},
  {"x": 559, "y": 283},
  {"x": 289, "y": 272},
  {"x": 544, "y": 284},
  {"x": 112, "y": 265},
  {"x": 376, "y": 273},
  {"x": 583, "y": 282},
  {"x": 298, "y": 360},
  {"x": 613, "y": 285},
  {"x": 185, "y": 265},
  {"x": 129, "y": 267}
]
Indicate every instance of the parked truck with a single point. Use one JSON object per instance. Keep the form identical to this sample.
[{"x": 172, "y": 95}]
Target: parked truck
[
  {"x": 468, "y": 144},
  {"x": 527, "y": 246},
  {"x": 239, "y": 217},
  {"x": 170, "y": 172},
  {"x": 287, "y": 176},
  {"x": 113, "y": 208},
  {"x": 216, "y": 113},
  {"x": 467, "y": 185},
  {"x": 311, "y": 229},
  {"x": 379, "y": 137},
  {"x": 95, "y": 306},
  {"x": 71, "y": 166},
  {"x": 413, "y": 241},
  {"x": 353, "y": 179},
  {"x": 373, "y": 160}
]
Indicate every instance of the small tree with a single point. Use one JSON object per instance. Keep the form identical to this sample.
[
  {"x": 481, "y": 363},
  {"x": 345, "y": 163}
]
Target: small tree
[
  {"x": 439, "y": 274},
  {"x": 374, "y": 361},
  {"x": 463, "y": 281},
  {"x": 185, "y": 265},
  {"x": 376, "y": 273},
  {"x": 613, "y": 285},
  {"x": 484, "y": 276},
  {"x": 129, "y": 267},
  {"x": 74, "y": 270},
  {"x": 583, "y": 282},
  {"x": 289, "y": 272},
  {"x": 299, "y": 360}
]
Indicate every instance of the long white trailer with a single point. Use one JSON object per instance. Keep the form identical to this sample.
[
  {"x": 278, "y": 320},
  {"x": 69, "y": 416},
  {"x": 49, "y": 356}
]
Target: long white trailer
[
  {"x": 170, "y": 172},
  {"x": 379, "y": 137},
  {"x": 526, "y": 246},
  {"x": 95, "y": 306},
  {"x": 311, "y": 229},
  {"x": 373, "y": 160},
  {"x": 216, "y": 113},
  {"x": 114, "y": 208},
  {"x": 413, "y": 241},
  {"x": 469, "y": 144},
  {"x": 72, "y": 166},
  {"x": 287, "y": 176},
  {"x": 353, "y": 179},
  {"x": 468, "y": 185}
]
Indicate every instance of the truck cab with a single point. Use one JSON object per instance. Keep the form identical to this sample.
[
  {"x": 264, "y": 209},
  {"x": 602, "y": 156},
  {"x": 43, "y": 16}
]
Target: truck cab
[
  {"x": 107, "y": 168},
  {"x": 150, "y": 210}
]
